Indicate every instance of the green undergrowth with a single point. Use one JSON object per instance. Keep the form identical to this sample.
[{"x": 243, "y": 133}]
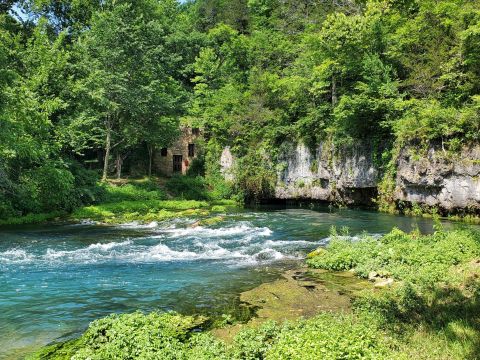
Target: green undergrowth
[
  {"x": 139, "y": 190},
  {"x": 33, "y": 218},
  {"x": 149, "y": 210},
  {"x": 432, "y": 310},
  {"x": 146, "y": 202},
  {"x": 422, "y": 259},
  {"x": 140, "y": 200},
  {"x": 468, "y": 216},
  {"x": 171, "y": 336}
]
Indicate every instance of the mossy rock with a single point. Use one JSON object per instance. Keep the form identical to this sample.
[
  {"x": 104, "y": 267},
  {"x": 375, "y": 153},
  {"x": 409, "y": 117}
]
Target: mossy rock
[
  {"x": 317, "y": 252},
  {"x": 211, "y": 221}
]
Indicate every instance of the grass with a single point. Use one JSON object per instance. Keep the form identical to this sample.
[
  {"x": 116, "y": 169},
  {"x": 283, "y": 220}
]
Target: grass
[
  {"x": 435, "y": 300},
  {"x": 32, "y": 218},
  {"x": 134, "y": 191},
  {"x": 410, "y": 257},
  {"x": 140, "y": 200},
  {"x": 432, "y": 311},
  {"x": 145, "y": 201},
  {"x": 144, "y": 211}
]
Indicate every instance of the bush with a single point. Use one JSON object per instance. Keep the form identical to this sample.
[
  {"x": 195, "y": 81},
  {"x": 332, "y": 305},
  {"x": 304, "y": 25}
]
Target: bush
[
  {"x": 330, "y": 336},
  {"x": 46, "y": 188},
  {"x": 188, "y": 187},
  {"x": 6, "y": 208},
  {"x": 139, "y": 336},
  {"x": 253, "y": 177},
  {"x": 173, "y": 336},
  {"x": 51, "y": 187},
  {"x": 139, "y": 191},
  {"x": 32, "y": 218},
  {"x": 420, "y": 259},
  {"x": 87, "y": 190}
]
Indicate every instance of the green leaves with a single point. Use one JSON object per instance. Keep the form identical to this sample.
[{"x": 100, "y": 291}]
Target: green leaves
[{"x": 423, "y": 260}]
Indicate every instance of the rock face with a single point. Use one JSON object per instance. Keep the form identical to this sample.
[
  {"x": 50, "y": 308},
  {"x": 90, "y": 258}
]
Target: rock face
[
  {"x": 227, "y": 162},
  {"x": 344, "y": 176},
  {"x": 450, "y": 183},
  {"x": 351, "y": 176}
]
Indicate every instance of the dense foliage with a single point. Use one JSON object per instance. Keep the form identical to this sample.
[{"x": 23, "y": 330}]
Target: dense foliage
[
  {"x": 428, "y": 314},
  {"x": 144, "y": 201},
  {"x": 102, "y": 83},
  {"x": 409, "y": 257},
  {"x": 172, "y": 336}
]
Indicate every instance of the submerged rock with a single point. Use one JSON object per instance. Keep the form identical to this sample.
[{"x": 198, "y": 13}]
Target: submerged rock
[
  {"x": 299, "y": 293},
  {"x": 305, "y": 293}
]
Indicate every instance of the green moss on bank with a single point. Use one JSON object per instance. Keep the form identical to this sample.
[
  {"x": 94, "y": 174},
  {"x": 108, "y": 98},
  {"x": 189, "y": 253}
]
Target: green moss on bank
[
  {"x": 146, "y": 211},
  {"x": 140, "y": 200},
  {"x": 33, "y": 218}
]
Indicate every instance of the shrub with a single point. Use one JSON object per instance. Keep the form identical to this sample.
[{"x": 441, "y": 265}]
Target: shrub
[
  {"x": 140, "y": 191},
  {"x": 330, "y": 336},
  {"x": 139, "y": 336},
  {"x": 188, "y": 187},
  {"x": 47, "y": 188},
  {"x": 420, "y": 259},
  {"x": 254, "y": 178}
]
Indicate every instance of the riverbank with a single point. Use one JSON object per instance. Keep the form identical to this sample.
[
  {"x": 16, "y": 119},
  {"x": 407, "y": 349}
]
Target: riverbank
[
  {"x": 142, "y": 200},
  {"x": 153, "y": 200},
  {"x": 428, "y": 309}
]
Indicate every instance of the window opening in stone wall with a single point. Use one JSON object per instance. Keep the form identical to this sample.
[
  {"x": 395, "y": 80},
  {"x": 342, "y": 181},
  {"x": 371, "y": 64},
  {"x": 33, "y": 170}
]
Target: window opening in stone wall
[{"x": 191, "y": 150}]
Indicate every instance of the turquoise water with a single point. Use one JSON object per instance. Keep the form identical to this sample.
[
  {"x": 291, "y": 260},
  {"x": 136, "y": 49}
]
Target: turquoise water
[{"x": 55, "y": 279}]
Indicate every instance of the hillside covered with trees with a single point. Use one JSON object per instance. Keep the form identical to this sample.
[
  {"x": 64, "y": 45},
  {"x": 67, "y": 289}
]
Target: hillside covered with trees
[
  {"x": 91, "y": 91},
  {"x": 89, "y": 86}
]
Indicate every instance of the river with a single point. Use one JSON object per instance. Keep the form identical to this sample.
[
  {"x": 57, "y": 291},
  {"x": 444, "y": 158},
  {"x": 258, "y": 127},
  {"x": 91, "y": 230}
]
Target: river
[{"x": 56, "y": 278}]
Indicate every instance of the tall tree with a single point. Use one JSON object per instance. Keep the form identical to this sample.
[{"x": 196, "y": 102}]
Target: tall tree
[{"x": 129, "y": 72}]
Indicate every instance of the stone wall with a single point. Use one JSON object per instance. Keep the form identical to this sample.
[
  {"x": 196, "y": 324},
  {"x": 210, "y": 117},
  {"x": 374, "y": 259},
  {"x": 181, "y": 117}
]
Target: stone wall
[
  {"x": 163, "y": 164},
  {"x": 337, "y": 176}
]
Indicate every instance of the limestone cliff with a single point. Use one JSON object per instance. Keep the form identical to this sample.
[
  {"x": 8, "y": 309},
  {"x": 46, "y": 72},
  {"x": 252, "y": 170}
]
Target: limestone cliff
[
  {"x": 437, "y": 179},
  {"x": 338, "y": 176},
  {"x": 450, "y": 182}
]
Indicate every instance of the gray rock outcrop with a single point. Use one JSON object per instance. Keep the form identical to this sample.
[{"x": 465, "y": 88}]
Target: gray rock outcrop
[
  {"x": 344, "y": 176},
  {"x": 350, "y": 176},
  {"x": 448, "y": 182}
]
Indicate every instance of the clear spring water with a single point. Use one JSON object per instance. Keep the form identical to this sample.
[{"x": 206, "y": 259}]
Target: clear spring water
[{"x": 55, "y": 279}]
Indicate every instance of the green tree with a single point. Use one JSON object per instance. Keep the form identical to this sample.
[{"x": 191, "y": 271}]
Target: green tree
[{"x": 129, "y": 76}]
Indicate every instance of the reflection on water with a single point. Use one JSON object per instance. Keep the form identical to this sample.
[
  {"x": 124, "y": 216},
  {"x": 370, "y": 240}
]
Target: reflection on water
[{"x": 55, "y": 279}]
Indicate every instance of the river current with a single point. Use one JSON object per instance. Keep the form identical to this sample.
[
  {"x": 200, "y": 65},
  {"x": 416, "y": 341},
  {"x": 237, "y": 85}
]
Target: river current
[{"x": 55, "y": 279}]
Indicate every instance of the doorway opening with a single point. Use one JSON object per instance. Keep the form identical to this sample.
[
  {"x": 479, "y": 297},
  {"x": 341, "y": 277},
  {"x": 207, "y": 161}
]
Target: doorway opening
[{"x": 177, "y": 163}]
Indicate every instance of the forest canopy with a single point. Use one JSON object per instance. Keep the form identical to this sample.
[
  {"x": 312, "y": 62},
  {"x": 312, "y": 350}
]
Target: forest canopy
[{"x": 88, "y": 85}]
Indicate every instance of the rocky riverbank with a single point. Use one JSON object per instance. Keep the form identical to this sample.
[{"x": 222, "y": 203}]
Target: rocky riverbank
[{"x": 431, "y": 179}]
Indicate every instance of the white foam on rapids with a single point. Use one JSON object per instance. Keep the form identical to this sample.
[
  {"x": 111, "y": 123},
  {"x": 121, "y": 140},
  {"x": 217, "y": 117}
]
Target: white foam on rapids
[{"x": 239, "y": 244}]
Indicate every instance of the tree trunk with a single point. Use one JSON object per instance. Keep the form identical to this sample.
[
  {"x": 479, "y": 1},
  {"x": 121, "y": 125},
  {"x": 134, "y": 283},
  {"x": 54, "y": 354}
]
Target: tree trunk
[
  {"x": 334, "y": 91},
  {"x": 108, "y": 141},
  {"x": 119, "y": 163},
  {"x": 150, "y": 159}
]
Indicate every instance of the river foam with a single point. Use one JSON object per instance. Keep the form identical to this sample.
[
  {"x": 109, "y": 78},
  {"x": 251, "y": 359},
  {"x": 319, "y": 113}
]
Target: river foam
[{"x": 241, "y": 243}]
